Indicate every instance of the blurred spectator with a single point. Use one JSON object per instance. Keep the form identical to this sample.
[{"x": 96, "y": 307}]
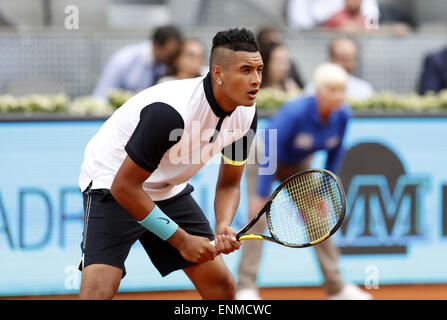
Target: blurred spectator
[
  {"x": 434, "y": 73},
  {"x": 277, "y": 69},
  {"x": 7, "y": 19},
  {"x": 308, "y": 14},
  {"x": 139, "y": 66},
  {"x": 396, "y": 12},
  {"x": 302, "y": 127},
  {"x": 189, "y": 63},
  {"x": 344, "y": 52},
  {"x": 349, "y": 19},
  {"x": 270, "y": 34}
]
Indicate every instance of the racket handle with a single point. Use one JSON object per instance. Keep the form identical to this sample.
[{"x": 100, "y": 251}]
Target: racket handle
[{"x": 212, "y": 242}]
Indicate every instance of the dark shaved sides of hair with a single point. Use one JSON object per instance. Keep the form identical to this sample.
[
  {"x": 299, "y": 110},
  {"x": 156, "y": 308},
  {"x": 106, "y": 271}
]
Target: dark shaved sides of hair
[{"x": 234, "y": 40}]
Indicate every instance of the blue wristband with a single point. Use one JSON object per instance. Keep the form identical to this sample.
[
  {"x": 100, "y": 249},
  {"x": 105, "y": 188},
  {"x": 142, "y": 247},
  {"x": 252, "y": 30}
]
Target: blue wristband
[{"x": 159, "y": 223}]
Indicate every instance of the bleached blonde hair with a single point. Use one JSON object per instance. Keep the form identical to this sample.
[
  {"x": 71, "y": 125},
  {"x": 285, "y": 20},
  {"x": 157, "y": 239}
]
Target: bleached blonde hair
[{"x": 329, "y": 73}]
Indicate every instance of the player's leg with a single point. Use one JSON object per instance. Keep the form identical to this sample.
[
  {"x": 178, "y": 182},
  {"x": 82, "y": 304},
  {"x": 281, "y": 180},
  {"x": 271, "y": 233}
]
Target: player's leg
[
  {"x": 99, "y": 282},
  {"x": 212, "y": 279},
  {"x": 109, "y": 232}
]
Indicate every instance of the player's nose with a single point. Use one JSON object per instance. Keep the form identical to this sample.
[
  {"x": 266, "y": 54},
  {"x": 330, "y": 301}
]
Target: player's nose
[{"x": 256, "y": 79}]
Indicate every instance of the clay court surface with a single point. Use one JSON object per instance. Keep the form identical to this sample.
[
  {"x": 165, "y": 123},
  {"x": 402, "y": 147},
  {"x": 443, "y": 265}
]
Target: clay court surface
[{"x": 384, "y": 292}]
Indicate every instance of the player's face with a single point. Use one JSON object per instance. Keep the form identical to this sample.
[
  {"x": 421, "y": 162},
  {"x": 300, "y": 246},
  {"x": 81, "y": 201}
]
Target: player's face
[{"x": 242, "y": 78}]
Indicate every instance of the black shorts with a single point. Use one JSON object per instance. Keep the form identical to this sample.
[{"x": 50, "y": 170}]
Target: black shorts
[{"x": 110, "y": 231}]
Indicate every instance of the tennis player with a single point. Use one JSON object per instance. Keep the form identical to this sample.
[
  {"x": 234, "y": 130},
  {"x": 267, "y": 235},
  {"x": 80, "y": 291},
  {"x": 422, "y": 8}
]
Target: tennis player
[
  {"x": 304, "y": 125},
  {"x": 136, "y": 169}
]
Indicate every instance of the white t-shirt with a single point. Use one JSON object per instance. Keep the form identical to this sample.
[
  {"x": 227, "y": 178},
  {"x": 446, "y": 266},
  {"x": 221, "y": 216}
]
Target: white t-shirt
[{"x": 167, "y": 130}]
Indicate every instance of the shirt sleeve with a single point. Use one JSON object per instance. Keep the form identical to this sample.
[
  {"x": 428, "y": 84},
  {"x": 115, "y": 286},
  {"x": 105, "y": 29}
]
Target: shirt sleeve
[
  {"x": 160, "y": 127},
  {"x": 283, "y": 124},
  {"x": 264, "y": 185},
  {"x": 237, "y": 152},
  {"x": 335, "y": 156}
]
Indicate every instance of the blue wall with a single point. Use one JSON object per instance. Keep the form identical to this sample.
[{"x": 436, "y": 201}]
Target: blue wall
[{"x": 41, "y": 212}]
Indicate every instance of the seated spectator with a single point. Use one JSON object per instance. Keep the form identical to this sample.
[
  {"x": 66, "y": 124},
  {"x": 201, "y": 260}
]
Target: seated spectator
[
  {"x": 139, "y": 66},
  {"x": 349, "y": 19},
  {"x": 309, "y": 14},
  {"x": 189, "y": 63},
  {"x": 434, "y": 73},
  {"x": 344, "y": 52},
  {"x": 270, "y": 34},
  {"x": 396, "y": 14},
  {"x": 276, "y": 70}
]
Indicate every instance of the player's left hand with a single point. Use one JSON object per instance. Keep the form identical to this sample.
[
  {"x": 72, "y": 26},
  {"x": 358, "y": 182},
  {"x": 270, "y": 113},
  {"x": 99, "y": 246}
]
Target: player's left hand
[{"x": 225, "y": 240}]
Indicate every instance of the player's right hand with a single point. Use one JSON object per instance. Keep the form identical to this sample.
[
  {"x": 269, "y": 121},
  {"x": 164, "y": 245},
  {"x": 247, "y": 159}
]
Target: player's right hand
[{"x": 197, "y": 249}]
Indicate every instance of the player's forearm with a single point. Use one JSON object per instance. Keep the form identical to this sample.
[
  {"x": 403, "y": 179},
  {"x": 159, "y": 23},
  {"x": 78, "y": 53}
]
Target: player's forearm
[
  {"x": 226, "y": 203},
  {"x": 133, "y": 199}
]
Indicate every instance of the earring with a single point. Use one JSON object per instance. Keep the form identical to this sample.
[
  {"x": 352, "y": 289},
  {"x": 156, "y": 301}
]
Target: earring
[{"x": 219, "y": 82}]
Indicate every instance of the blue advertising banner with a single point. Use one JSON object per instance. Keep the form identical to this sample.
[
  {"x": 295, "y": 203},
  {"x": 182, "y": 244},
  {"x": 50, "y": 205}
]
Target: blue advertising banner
[{"x": 395, "y": 231}]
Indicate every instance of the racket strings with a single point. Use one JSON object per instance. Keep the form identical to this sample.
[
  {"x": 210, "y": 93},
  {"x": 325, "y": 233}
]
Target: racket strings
[{"x": 306, "y": 209}]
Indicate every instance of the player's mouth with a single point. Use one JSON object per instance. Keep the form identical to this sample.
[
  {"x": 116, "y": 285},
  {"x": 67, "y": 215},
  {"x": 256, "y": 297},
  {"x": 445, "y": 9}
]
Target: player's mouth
[{"x": 252, "y": 94}]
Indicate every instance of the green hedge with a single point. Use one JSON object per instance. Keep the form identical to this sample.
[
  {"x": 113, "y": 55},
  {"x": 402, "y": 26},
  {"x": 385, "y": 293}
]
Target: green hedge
[
  {"x": 271, "y": 100},
  {"x": 267, "y": 100}
]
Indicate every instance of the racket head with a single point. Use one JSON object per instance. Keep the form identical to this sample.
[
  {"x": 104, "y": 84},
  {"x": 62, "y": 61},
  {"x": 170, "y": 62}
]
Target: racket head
[{"x": 306, "y": 208}]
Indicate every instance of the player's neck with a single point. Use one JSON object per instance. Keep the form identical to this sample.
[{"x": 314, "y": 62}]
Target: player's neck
[{"x": 226, "y": 104}]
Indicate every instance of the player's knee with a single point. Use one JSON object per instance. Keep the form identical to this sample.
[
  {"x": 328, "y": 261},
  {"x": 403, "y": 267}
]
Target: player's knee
[
  {"x": 96, "y": 290},
  {"x": 98, "y": 284},
  {"x": 98, "y": 294}
]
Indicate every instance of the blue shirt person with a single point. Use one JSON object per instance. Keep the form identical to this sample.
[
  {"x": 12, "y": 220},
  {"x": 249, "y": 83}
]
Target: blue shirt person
[
  {"x": 301, "y": 132},
  {"x": 139, "y": 66},
  {"x": 300, "y": 128}
]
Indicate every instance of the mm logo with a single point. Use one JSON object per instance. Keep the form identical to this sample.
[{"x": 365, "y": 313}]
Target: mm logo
[
  {"x": 379, "y": 220},
  {"x": 384, "y": 203}
]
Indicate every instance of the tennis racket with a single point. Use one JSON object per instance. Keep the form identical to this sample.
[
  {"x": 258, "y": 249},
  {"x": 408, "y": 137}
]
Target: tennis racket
[{"x": 304, "y": 210}]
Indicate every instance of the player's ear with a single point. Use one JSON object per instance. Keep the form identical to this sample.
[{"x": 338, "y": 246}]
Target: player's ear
[{"x": 217, "y": 73}]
